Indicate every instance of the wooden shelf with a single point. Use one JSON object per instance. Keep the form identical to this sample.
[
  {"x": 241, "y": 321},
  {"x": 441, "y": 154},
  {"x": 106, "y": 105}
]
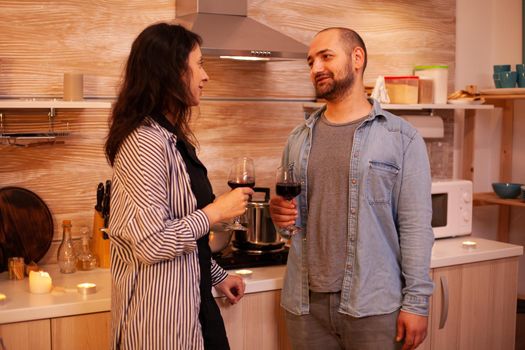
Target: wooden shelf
[
  {"x": 490, "y": 198},
  {"x": 316, "y": 105},
  {"x": 53, "y": 103},
  {"x": 504, "y": 97}
]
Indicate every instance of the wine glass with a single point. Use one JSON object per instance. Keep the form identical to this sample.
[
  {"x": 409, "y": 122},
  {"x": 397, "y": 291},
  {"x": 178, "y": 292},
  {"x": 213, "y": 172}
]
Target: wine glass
[
  {"x": 288, "y": 187},
  {"x": 242, "y": 174}
]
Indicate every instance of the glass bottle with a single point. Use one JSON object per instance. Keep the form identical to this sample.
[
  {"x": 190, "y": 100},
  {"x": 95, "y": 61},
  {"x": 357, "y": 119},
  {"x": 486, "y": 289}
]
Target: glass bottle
[
  {"x": 67, "y": 259},
  {"x": 86, "y": 259}
]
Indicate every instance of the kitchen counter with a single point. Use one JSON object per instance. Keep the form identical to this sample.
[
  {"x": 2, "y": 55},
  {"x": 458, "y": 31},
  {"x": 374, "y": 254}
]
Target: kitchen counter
[{"x": 64, "y": 300}]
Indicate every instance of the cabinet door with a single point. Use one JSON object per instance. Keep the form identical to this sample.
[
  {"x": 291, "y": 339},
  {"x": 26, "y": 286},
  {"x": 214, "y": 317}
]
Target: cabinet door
[
  {"x": 89, "y": 331},
  {"x": 256, "y": 322},
  {"x": 30, "y": 335},
  {"x": 481, "y": 306}
]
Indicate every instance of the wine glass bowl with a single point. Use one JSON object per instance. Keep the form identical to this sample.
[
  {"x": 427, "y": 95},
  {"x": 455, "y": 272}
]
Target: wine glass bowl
[
  {"x": 242, "y": 174},
  {"x": 287, "y": 186}
]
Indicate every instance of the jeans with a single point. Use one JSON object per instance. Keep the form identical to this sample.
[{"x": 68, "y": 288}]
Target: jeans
[{"x": 325, "y": 328}]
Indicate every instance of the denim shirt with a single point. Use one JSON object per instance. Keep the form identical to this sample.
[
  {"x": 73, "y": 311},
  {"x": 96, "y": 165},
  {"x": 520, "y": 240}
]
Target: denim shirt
[{"x": 390, "y": 236}]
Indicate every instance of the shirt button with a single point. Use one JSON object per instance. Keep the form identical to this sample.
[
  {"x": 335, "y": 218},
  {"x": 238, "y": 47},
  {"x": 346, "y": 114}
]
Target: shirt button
[
  {"x": 354, "y": 181},
  {"x": 352, "y": 210}
]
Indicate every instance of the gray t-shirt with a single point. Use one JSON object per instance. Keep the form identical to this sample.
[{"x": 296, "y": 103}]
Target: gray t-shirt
[{"x": 328, "y": 176}]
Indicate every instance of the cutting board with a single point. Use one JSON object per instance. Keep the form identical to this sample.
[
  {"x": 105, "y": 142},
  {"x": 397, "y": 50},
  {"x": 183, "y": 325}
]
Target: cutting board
[{"x": 26, "y": 225}]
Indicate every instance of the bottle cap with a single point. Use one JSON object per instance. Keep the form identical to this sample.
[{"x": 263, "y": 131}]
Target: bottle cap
[{"x": 66, "y": 222}]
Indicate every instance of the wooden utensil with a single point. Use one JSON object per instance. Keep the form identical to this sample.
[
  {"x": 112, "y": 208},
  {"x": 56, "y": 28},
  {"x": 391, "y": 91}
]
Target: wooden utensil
[{"x": 100, "y": 239}]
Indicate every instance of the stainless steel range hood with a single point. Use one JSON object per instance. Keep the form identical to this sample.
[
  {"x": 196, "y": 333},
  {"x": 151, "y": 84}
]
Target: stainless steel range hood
[{"x": 228, "y": 32}]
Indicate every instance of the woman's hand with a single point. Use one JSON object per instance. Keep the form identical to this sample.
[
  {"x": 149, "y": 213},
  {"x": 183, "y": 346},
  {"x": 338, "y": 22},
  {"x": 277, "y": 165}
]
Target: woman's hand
[
  {"x": 228, "y": 205},
  {"x": 283, "y": 212},
  {"x": 232, "y": 288}
]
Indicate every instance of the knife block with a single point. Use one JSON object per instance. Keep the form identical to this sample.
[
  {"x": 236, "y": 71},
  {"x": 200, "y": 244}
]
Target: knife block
[{"x": 99, "y": 245}]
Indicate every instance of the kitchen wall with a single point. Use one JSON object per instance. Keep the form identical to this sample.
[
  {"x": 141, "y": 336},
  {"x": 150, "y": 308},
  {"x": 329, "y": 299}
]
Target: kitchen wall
[
  {"x": 40, "y": 41},
  {"x": 499, "y": 24}
]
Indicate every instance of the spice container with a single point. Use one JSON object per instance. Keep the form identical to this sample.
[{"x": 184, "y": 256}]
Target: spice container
[
  {"x": 16, "y": 268},
  {"x": 402, "y": 89}
]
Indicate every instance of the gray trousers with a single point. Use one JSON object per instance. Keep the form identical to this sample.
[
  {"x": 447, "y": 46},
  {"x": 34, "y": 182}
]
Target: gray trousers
[{"x": 326, "y": 329}]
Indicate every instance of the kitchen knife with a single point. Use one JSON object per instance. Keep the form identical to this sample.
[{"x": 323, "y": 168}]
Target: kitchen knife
[{"x": 100, "y": 197}]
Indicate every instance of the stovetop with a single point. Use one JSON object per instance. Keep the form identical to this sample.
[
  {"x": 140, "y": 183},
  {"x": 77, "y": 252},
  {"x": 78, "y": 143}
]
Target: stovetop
[{"x": 231, "y": 258}]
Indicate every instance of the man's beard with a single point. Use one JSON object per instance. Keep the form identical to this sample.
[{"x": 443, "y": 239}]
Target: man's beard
[{"x": 335, "y": 89}]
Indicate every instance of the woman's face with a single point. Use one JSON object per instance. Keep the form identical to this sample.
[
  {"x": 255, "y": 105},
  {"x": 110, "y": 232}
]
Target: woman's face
[{"x": 197, "y": 75}]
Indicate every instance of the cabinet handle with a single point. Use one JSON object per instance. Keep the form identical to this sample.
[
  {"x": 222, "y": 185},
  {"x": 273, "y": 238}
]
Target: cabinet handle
[{"x": 444, "y": 304}]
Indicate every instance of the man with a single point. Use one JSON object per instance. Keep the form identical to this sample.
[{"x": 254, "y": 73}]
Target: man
[{"x": 358, "y": 271}]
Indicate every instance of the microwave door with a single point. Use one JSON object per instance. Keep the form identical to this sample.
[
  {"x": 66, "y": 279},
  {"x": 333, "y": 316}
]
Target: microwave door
[{"x": 440, "y": 212}]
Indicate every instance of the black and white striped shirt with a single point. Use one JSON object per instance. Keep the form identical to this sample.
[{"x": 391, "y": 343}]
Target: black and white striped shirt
[{"x": 153, "y": 228}]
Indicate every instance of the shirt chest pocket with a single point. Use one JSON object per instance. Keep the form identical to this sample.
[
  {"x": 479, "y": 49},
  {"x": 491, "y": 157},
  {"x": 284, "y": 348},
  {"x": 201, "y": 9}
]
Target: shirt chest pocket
[{"x": 380, "y": 181}]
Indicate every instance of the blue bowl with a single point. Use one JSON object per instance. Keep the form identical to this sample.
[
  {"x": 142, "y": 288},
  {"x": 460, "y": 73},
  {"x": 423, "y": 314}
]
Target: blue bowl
[{"x": 507, "y": 190}]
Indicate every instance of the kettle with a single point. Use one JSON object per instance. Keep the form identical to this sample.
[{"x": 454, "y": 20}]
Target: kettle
[{"x": 261, "y": 234}]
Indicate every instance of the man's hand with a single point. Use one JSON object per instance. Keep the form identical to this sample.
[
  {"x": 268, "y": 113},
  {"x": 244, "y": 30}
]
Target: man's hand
[
  {"x": 283, "y": 212},
  {"x": 412, "y": 329},
  {"x": 232, "y": 288}
]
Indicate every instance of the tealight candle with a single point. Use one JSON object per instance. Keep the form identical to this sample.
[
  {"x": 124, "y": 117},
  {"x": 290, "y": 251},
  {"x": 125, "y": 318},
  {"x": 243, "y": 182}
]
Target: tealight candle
[
  {"x": 39, "y": 282},
  {"x": 469, "y": 244},
  {"x": 86, "y": 288},
  {"x": 244, "y": 273}
]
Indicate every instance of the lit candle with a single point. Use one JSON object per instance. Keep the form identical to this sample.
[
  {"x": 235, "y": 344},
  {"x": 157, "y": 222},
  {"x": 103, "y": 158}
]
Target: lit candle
[
  {"x": 469, "y": 244},
  {"x": 3, "y": 298},
  {"x": 39, "y": 282},
  {"x": 86, "y": 288},
  {"x": 244, "y": 273}
]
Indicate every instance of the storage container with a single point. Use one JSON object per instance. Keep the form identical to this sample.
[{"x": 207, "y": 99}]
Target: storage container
[
  {"x": 439, "y": 76},
  {"x": 402, "y": 89}
]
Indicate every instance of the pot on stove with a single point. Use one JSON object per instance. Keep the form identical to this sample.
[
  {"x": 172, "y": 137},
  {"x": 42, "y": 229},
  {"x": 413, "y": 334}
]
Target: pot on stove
[{"x": 260, "y": 235}]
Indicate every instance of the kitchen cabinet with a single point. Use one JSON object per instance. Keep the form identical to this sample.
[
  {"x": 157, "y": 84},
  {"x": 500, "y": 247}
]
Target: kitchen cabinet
[
  {"x": 89, "y": 331},
  {"x": 30, "y": 335},
  {"x": 81, "y": 332},
  {"x": 256, "y": 322},
  {"x": 474, "y": 306},
  {"x": 506, "y": 102}
]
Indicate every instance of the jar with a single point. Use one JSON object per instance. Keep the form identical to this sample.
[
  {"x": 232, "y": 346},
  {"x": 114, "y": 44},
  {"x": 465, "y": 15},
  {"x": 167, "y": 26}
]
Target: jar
[{"x": 16, "y": 268}]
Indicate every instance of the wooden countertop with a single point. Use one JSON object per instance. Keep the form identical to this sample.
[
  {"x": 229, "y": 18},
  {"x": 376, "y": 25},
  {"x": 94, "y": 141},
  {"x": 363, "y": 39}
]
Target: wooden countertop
[{"x": 21, "y": 305}]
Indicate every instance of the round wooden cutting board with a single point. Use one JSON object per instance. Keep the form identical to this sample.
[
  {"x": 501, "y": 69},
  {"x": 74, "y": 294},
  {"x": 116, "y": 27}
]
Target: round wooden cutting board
[{"x": 26, "y": 225}]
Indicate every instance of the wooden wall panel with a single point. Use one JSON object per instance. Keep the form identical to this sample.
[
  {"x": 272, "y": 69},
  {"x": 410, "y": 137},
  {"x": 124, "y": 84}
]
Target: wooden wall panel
[{"x": 39, "y": 41}]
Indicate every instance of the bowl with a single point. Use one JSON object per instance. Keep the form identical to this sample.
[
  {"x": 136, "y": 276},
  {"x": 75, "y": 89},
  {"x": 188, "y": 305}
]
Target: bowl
[
  {"x": 219, "y": 238},
  {"x": 507, "y": 190}
]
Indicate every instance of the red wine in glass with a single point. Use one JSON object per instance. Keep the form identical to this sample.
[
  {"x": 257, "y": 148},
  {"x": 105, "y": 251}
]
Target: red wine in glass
[
  {"x": 242, "y": 174},
  {"x": 288, "y": 190},
  {"x": 233, "y": 185},
  {"x": 287, "y": 186}
]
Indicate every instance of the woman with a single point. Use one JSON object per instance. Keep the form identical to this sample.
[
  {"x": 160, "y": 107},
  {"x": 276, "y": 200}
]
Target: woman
[{"x": 162, "y": 204}]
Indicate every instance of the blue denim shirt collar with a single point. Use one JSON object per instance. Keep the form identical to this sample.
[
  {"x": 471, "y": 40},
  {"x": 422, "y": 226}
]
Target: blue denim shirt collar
[{"x": 374, "y": 113}]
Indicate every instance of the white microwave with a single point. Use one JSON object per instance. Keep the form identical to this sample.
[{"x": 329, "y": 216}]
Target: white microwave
[{"x": 451, "y": 208}]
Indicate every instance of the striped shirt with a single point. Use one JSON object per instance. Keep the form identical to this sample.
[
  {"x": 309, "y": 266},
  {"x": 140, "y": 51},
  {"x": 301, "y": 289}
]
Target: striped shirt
[{"x": 153, "y": 229}]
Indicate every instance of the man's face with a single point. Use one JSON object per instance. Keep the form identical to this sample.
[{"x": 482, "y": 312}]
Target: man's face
[
  {"x": 331, "y": 68},
  {"x": 196, "y": 75}
]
